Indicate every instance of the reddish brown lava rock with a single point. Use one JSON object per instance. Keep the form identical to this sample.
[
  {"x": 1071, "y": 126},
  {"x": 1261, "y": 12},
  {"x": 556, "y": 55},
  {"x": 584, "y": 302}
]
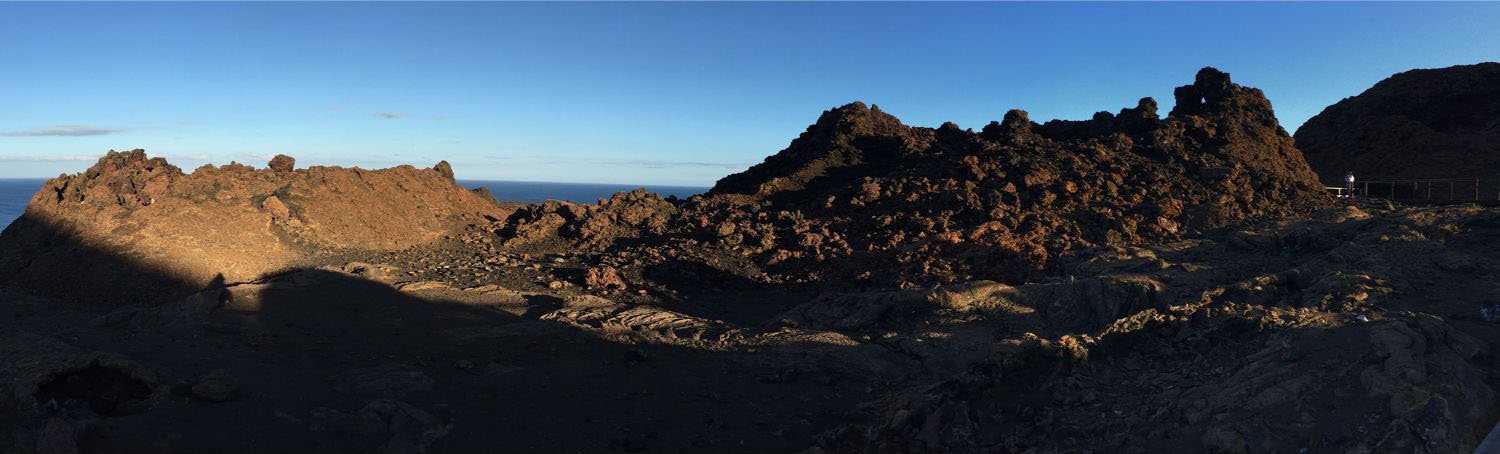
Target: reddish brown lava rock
[
  {"x": 604, "y": 277},
  {"x": 126, "y": 178},
  {"x": 901, "y": 205},
  {"x": 631, "y": 214},
  {"x": 279, "y": 212},
  {"x": 283, "y": 163},
  {"x": 444, "y": 169}
]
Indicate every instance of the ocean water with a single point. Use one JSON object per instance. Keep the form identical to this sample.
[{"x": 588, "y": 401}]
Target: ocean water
[
  {"x": 532, "y": 192},
  {"x": 14, "y": 193}
]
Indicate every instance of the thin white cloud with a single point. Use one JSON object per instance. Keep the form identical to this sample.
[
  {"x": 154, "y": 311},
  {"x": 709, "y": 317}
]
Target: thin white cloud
[
  {"x": 184, "y": 157},
  {"x": 389, "y": 115},
  {"x": 34, "y": 158},
  {"x": 62, "y": 131},
  {"x": 170, "y": 157}
]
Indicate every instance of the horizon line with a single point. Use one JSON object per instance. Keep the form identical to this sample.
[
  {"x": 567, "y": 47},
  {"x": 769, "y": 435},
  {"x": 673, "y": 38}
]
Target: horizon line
[{"x": 470, "y": 180}]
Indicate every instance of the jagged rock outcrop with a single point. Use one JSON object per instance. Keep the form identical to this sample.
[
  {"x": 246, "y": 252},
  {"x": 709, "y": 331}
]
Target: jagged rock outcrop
[
  {"x": 1423, "y": 123},
  {"x": 947, "y": 204},
  {"x": 565, "y": 225},
  {"x": 135, "y": 225},
  {"x": 1011, "y": 197},
  {"x": 899, "y": 205},
  {"x": 850, "y": 136},
  {"x": 444, "y": 169},
  {"x": 282, "y": 163},
  {"x": 604, "y": 277}
]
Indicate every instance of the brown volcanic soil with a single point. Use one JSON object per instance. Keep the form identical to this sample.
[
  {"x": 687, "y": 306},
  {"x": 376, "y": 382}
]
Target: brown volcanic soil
[
  {"x": 780, "y": 313},
  {"x": 1422, "y": 123}
]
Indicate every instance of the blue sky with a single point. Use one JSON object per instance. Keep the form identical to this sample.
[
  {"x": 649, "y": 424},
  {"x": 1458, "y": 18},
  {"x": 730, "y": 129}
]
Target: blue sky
[{"x": 644, "y": 93}]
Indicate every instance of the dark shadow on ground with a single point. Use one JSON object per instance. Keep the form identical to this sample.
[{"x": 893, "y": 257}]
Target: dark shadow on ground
[
  {"x": 319, "y": 360},
  {"x": 704, "y": 291},
  {"x": 46, "y": 259}
]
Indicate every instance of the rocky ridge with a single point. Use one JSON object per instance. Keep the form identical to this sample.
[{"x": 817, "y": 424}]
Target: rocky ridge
[{"x": 861, "y": 197}]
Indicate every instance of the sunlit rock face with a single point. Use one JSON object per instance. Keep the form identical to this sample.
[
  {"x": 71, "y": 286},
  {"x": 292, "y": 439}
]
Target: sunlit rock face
[{"x": 131, "y": 214}]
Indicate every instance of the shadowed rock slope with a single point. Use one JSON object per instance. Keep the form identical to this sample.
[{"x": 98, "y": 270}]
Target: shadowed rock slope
[
  {"x": 1423, "y": 123},
  {"x": 232, "y": 222}
]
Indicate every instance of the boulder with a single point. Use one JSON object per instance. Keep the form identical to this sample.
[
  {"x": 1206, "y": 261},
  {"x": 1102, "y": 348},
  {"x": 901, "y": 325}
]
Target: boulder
[
  {"x": 282, "y": 163},
  {"x": 604, "y": 277},
  {"x": 279, "y": 211},
  {"x": 444, "y": 169}
]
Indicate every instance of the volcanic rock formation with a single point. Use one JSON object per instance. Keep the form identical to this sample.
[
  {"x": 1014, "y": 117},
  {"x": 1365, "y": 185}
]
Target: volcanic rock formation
[
  {"x": 1423, "y": 123},
  {"x": 892, "y": 204},
  {"x": 231, "y": 223}
]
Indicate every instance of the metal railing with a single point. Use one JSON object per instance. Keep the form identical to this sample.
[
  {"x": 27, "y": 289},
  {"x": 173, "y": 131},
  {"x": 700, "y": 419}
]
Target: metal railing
[{"x": 1420, "y": 189}]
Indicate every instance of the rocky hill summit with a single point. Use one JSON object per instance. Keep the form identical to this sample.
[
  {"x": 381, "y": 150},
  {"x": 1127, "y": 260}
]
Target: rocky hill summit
[
  {"x": 231, "y": 222},
  {"x": 862, "y": 197},
  {"x": 1422, "y": 123}
]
